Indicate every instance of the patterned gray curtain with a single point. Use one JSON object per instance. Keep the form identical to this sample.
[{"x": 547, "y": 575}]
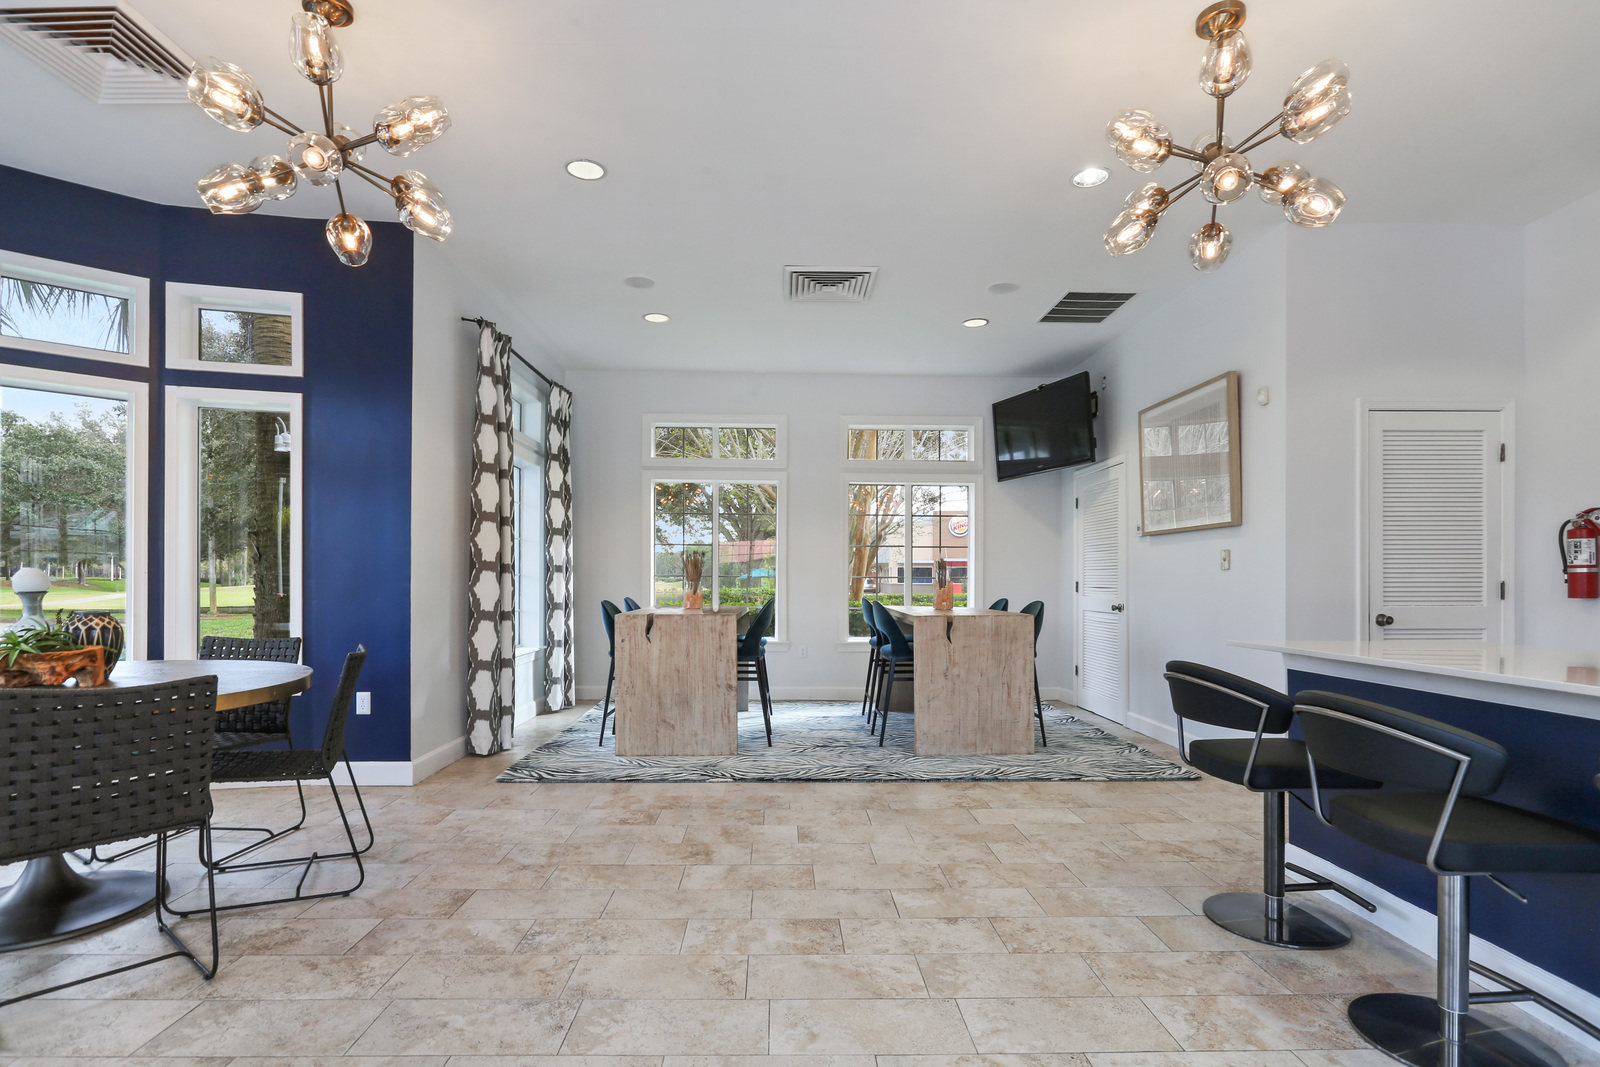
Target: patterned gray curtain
[
  {"x": 492, "y": 583},
  {"x": 558, "y": 665}
]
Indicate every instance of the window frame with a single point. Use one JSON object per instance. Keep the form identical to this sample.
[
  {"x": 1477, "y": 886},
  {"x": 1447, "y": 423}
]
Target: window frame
[
  {"x": 185, "y": 301},
  {"x": 971, "y": 466},
  {"x": 779, "y": 423},
  {"x": 136, "y": 395},
  {"x": 181, "y": 612},
  {"x": 779, "y": 641},
  {"x": 916, "y": 476},
  {"x": 129, "y": 287}
]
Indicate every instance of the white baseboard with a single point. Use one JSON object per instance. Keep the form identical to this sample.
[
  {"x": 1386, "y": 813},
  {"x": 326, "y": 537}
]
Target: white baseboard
[
  {"x": 1419, "y": 928},
  {"x": 1065, "y": 694},
  {"x": 1161, "y": 731},
  {"x": 431, "y": 763},
  {"x": 381, "y": 772}
]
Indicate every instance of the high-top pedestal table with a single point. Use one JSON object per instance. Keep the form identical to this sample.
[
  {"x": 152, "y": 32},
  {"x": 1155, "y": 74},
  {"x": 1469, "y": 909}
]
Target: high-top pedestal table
[
  {"x": 973, "y": 682},
  {"x": 51, "y": 901},
  {"x": 677, "y": 682}
]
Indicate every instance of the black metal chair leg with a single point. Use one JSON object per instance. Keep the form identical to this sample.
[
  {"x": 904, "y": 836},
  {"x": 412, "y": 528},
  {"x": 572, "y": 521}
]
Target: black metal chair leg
[
  {"x": 888, "y": 695},
  {"x": 766, "y": 697},
  {"x": 605, "y": 705},
  {"x": 1038, "y": 708},
  {"x": 872, "y": 665}
]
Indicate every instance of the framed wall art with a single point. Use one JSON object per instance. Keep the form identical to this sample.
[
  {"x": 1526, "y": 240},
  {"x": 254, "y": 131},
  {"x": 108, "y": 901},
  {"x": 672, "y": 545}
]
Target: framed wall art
[{"x": 1189, "y": 459}]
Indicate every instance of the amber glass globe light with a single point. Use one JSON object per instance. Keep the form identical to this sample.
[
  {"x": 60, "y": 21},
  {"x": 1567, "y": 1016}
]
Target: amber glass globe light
[
  {"x": 1281, "y": 177},
  {"x": 1314, "y": 203},
  {"x": 312, "y": 49},
  {"x": 1128, "y": 233},
  {"x": 1139, "y": 140},
  {"x": 230, "y": 189},
  {"x": 1148, "y": 199},
  {"x": 421, "y": 205},
  {"x": 415, "y": 121},
  {"x": 277, "y": 176},
  {"x": 350, "y": 238},
  {"x": 1209, "y": 247},
  {"x": 226, "y": 93},
  {"x": 316, "y": 158},
  {"x": 1226, "y": 179},
  {"x": 1226, "y": 64}
]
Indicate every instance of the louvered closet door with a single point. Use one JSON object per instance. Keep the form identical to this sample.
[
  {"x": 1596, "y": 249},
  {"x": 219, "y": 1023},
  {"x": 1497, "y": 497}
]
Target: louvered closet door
[
  {"x": 1102, "y": 583},
  {"x": 1434, "y": 525}
]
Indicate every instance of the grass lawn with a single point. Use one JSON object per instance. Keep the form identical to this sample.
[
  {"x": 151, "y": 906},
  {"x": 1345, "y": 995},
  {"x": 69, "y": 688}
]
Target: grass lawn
[{"x": 70, "y": 596}]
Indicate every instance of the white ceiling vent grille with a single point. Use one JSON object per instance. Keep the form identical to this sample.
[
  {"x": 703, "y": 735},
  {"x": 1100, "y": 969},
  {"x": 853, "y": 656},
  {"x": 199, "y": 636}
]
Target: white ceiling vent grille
[
  {"x": 819, "y": 285},
  {"x": 108, "y": 52}
]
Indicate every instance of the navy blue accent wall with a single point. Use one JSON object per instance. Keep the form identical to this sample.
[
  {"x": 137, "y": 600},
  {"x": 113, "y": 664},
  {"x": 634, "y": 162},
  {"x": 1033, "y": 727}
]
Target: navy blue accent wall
[
  {"x": 357, "y": 397},
  {"x": 1552, "y": 767}
]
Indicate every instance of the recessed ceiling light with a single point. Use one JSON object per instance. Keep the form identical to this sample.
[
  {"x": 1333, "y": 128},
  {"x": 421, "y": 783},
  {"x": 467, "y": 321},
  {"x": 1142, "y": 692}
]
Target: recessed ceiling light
[
  {"x": 590, "y": 171},
  {"x": 975, "y": 323},
  {"x": 655, "y": 317},
  {"x": 639, "y": 282},
  {"x": 1088, "y": 177},
  {"x": 1002, "y": 288}
]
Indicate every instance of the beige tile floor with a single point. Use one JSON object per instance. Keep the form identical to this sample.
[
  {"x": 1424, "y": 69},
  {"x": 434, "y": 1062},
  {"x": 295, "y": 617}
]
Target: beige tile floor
[{"x": 734, "y": 925}]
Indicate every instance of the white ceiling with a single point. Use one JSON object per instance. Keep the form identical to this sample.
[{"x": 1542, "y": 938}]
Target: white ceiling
[{"x": 934, "y": 139}]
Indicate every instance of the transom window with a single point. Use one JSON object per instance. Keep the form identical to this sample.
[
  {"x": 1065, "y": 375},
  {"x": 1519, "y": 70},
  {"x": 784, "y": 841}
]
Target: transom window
[
  {"x": 914, "y": 444},
  {"x": 897, "y": 532},
  {"x": 242, "y": 331},
  {"x": 715, "y": 441},
  {"x": 71, "y": 310},
  {"x": 731, "y": 526}
]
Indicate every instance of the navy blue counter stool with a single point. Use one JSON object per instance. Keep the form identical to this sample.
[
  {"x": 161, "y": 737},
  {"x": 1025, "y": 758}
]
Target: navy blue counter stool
[
  {"x": 752, "y": 661},
  {"x": 1003, "y": 604},
  {"x": 629, "y": 604},
  {"x": 1036, "y": 609},
  {"x": 1269, "y": 764},
  {"x": 608, "y": 615},
  {"x": 1437, "y": 816},
  {"x": 896, "y": 660}
]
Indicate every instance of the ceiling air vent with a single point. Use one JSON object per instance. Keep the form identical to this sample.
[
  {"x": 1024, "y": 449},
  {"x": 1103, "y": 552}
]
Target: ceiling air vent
[
  {"x": 108, "y": 52},
  {"x": 1086, "y": 307},
  {"x": 818, "y": 285}
]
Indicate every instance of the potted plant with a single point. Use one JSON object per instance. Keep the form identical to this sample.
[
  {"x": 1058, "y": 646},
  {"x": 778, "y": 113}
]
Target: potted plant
[
  {"x": 49, "y": 655},
  {"x": 694, "y": 564}
]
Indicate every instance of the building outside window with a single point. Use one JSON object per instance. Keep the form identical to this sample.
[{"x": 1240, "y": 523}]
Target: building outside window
[{"x": 897, "y": 532}]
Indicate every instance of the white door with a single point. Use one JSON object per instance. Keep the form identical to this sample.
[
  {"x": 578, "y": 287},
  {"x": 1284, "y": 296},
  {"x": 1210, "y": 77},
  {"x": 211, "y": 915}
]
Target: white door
[
  {"x": 1100, "y": 577},
  {"x": 1434, "y": 526}
]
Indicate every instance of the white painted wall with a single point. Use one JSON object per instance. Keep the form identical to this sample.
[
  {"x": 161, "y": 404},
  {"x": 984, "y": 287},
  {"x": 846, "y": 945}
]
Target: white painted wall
[
  {"x": 1558, "y": 422},
  {"x": 1019, "y": 538},
  {"x": 444, "y": 372},
  {"x": 1387, "y": 313},
  {"x": 1181, "y": 604}
]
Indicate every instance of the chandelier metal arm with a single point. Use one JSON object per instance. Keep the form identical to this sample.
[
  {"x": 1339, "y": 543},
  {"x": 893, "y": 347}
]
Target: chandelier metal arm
[
  {"x": 1187, "y": 153},
  {"x": 339, "y": 189},
  {"x": 1221, "y": 100},
  {"x": 325, "y": 97},
  {"x": 1250, "y": 138},
  {"x": 279, "y": 123},
  {"x": 372, "y": 177},
  {"x": 1249, "y": 146},
  {"x": 1181, "y": 190},
  {"x": 361, "y": 142}
]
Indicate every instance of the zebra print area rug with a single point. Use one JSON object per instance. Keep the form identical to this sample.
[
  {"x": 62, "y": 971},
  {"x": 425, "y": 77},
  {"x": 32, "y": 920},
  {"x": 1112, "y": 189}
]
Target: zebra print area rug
[{"x": 827, "y": 741}]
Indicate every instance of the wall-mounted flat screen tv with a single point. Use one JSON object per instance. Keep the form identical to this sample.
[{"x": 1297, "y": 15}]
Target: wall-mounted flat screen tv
[{"x": 1045, "y": 429}]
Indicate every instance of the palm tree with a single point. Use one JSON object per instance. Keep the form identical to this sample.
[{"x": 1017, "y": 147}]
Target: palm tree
[{"x": 19, "y": 296}]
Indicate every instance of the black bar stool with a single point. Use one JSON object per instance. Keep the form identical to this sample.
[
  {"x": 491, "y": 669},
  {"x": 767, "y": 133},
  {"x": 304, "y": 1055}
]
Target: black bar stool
[
  {"x": 1271, "y": 766},
  {"x": 1438, "y": 818}
]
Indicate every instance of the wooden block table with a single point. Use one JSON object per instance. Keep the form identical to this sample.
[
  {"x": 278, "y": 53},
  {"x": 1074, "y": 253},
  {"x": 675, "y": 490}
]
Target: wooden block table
[
  {"x": 676, "y": 682},
  {"x": 974, "y": 680}
]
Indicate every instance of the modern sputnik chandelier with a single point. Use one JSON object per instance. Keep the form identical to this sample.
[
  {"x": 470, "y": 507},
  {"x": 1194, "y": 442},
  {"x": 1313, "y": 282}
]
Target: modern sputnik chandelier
[
  {"x": 231, "y": 96},
  {"x": 1317, "y": 100}
]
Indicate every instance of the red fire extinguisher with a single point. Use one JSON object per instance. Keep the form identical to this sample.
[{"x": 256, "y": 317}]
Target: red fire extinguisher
[{"x": 1580, "y": 554}]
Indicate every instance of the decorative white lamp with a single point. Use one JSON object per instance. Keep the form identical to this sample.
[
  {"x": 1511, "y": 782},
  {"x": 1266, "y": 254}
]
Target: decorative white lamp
[{"x": 30, "y": 584}]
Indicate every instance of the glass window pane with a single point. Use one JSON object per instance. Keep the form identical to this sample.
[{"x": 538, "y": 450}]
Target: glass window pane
[
  {"x": 953, "y": 446},
  {"x": 63, "y": 499},
  {"x": 42, "y": 312},
  {"x": 925, "y": 444},
  {"x": 747, "y": 531},
  {"x": 246, "y": 337},
  {"x": 891, "y": 444},
  {"x": 669, "y": 442},
  {"x": 697, "y": 442},
  {"x": 748, "y": 442},
  {"x": 863, "y": 444},
  {"x": 245, "y": 568},
  {"x": 942, "y": 531},
  {"x": 682, "y": 524}
]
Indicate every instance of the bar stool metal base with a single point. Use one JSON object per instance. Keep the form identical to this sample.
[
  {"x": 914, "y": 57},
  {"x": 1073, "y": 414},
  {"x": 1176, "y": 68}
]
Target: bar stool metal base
[
  {"x": 1245, "y": 914},
  {"x": 1406, "y": 1027},
  {"x": 52, "y": 902}
]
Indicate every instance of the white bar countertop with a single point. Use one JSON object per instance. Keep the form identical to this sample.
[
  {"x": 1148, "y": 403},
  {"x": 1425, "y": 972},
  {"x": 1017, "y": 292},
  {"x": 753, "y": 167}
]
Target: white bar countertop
[{"x": 1564, "y": 681}]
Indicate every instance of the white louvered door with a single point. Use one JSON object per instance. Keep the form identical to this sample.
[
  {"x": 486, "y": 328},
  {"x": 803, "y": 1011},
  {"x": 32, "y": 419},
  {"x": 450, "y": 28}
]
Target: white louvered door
[
  {"x": 1434, "y": 526},
  {"x": 1102, "y": 585}
]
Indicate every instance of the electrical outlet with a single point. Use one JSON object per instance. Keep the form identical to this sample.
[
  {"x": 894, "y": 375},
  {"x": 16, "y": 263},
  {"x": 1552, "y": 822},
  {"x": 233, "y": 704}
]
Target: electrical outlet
[
  {"x": 363, "y": 703},
  {"x": 1227, "y": 559},
  {"x": 805, "y": 651}
]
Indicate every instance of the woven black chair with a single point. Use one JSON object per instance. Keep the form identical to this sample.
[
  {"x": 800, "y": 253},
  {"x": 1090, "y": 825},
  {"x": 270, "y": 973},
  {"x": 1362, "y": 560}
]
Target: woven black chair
[
  {"x": 259, "y": 723},
  {"x": 86, "y": 767},
  {"x": 247, "y": 727},
  {"x": 301, "y": 765}
]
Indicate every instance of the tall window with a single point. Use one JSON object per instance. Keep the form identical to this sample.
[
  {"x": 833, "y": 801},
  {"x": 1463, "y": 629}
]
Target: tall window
[
  {"x": 731, "y": 526},
  {"x": 64, "y": 504},
  {"x": 898, "y": 531},
  {"x": 234, "y": 516},
  {"x": 527, "y": 431},
  {"x": 246, "y": 558}
]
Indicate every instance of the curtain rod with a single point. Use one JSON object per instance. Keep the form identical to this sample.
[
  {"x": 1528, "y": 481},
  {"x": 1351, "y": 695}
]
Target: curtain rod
[{"x": 481, "y": 323}]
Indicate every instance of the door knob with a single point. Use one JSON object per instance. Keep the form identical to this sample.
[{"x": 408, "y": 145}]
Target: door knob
[
  {"x": 1116, "y": 607},
  {"x": 1384, "y": 620}
]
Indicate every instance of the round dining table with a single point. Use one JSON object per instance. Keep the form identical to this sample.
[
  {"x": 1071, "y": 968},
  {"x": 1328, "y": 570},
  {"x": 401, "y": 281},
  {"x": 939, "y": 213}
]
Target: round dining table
[{"x": 51, "y": 901}]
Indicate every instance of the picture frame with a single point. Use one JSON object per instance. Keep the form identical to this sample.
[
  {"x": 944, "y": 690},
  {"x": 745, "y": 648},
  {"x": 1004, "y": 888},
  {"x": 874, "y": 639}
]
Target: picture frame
[{"x": 1189, "y": 460}]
